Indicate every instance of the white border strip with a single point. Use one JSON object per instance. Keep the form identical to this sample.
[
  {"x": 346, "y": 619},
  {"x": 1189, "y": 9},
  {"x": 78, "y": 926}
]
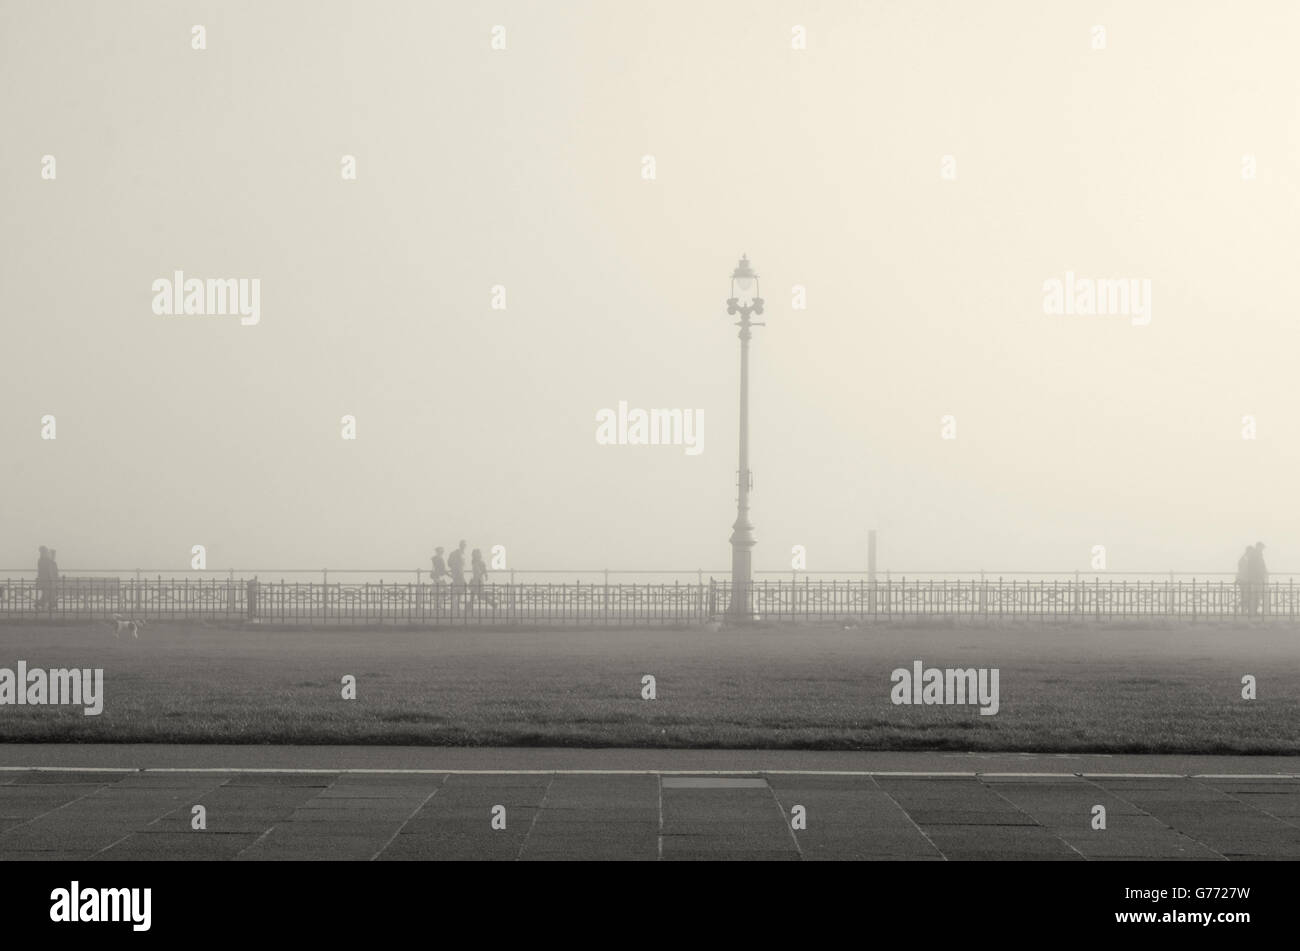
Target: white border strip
[{"x": 379, "y": 771}]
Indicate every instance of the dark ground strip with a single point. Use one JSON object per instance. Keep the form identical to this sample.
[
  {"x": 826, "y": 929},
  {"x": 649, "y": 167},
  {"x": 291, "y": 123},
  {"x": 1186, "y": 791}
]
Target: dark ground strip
[{"x": 440, "y": 816}]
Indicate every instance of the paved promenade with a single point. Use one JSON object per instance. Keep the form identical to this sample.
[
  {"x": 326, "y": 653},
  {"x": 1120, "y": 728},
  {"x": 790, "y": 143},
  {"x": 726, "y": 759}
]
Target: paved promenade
[{"x": 393, "y": 803}]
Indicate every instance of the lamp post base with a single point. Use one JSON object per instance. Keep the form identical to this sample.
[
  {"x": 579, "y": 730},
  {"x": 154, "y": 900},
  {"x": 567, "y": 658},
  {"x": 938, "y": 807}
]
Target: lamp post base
[{"x": 741, "y": 607}]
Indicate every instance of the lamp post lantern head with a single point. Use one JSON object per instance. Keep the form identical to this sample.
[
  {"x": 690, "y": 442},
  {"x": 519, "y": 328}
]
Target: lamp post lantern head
[{"x": 744, "y": 290}]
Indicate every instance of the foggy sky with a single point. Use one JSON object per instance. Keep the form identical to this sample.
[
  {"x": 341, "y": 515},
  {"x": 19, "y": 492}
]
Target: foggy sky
[{"x": 523, "y": 168}]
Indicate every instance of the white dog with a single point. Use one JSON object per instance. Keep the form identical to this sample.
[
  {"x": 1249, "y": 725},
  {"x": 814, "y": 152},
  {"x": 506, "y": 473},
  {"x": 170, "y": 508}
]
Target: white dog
[{"x": 121, "y": 624}]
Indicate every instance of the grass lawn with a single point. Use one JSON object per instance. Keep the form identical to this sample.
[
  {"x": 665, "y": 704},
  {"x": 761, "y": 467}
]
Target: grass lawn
[{"x": 1066, "y": 688}]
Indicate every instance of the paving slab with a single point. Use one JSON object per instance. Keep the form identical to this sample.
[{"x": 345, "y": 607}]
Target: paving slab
[
  {"x": 62, "y": 838},
  {"x": 732, "y": 856},
  {"x": 51, "y": 855},
  {"x": 840, "y": 855},
  {"x": 891, "y": 843},
  {"x": 1159, "y": 846},
  {"x": 485, "y": 845},
  {"x": 283, "y": 842},
  {"x": 188, "y": 846},
  {"x": 645, "y": 845}
]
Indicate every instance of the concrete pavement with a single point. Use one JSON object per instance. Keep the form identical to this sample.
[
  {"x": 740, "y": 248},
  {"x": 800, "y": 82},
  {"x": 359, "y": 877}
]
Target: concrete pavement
[{"x": 386, "y": 803}]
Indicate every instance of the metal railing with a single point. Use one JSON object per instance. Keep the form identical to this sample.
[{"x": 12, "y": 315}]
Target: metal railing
[{"x": 403, "y": 602}]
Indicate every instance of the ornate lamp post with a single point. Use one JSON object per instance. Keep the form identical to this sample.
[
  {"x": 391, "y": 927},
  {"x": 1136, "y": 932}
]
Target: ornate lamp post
[{"x": 744, "y": 301}]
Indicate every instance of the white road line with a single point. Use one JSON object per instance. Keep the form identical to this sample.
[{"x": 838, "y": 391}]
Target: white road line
[
  {"x": 900, "y": 774},
  {"x": 714, "y": 782},
  {"x": 71, "y": 769}
]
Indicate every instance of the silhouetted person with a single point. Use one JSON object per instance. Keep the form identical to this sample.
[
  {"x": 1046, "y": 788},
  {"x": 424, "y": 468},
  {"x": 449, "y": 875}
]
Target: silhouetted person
[
  {"x": 252, "y": 593},
  {"x": 440, "y": 575},
  {"x": 456, "y": 565},
  {"x": 1244, "y": 592},
  {"x": 1259, "y": 579},
  {"x": 54, "y": 578},
  {"x": 44, "y": 585},
  {"x": 479, "y": 574}
]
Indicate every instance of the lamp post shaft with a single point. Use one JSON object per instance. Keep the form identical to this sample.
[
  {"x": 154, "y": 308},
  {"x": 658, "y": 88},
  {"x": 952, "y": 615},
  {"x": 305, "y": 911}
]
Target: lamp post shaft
[{"x": 742, "y": 533}]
